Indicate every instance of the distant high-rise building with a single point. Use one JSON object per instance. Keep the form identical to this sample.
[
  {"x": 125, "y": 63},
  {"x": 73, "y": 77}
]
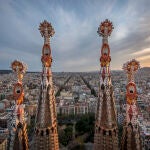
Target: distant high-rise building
[
  {"x": 46, "y": 136},
  {"x": 106, "y": 132},
  {"x": 131, "y": 136},
  {"x": 18, "y": 133}
]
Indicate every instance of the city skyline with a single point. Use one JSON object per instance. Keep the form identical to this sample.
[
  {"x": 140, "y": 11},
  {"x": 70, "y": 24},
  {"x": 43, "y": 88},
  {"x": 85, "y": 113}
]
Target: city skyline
[{"x": 76, "y": 44}]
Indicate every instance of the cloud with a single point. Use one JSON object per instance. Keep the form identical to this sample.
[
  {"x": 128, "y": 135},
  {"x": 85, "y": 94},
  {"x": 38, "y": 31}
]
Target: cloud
[
  {"x": 144, "y": 51},
  {"x": 144, "y": 57},
  {"x": 75, "y": 45}
]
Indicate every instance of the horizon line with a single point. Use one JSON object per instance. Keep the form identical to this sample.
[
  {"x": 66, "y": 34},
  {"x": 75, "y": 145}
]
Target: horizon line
[{"x": 71, "y": 71}]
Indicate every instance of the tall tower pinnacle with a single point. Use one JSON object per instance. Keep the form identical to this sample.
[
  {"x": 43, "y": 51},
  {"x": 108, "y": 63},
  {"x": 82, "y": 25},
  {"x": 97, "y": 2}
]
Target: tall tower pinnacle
[
  {"x": 106, "y": 133},
  {"x": 131, "y": 136},
  {"x": 18, "y": 132},
  {"x": 46, "y": 31},
  {"x": 105, "y": 30},
  {"x": 46, "y": 136}
]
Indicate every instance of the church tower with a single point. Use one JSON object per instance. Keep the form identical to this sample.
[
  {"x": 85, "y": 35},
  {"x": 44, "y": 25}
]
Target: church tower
[
  {"x": 131, "y": 136},
  {"x": 46, "y": 136},
  {"x": 106, "y": 133},
  {"x": 18, "y": 133}
]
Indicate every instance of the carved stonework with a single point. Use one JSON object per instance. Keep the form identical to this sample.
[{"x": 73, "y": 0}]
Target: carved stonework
[
  {"x": 106, "y": 132},
  {"x": 105, "y": 28},
  {"x": 18, "y": 132},
  {"x": 46, "y": 136},
  {"x": 131, "y": 136}
]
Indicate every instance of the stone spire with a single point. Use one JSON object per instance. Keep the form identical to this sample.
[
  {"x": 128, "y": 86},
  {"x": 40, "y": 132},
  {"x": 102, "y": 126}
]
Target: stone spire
[
  {"x": 18, "y": 132},
  {"x": 131, "y": 136},
  {"x": 46, "y": 136},
  {"x": 106, "y": 133}
]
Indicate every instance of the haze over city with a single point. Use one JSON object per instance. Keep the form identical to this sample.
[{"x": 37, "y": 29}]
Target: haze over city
[{"x": 75, "y": 44}]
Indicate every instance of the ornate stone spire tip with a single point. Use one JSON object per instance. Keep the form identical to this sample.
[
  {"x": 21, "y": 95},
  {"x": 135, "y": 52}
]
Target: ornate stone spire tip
[
  {"x": 46, "y": 29},
  {"x": 20, "y": 66},
  {"x": 105, "y": 28},
  {"x": 132, "y": 65}
]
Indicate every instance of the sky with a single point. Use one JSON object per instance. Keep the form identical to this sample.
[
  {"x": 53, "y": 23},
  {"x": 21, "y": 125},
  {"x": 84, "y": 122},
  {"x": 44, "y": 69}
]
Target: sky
[{"x": 75, "y": 44}]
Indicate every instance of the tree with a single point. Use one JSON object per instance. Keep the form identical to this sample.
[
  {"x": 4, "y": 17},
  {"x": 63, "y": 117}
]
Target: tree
[
  {"x": 65, "y": 136},
  {"x": 85, "y": 124}
]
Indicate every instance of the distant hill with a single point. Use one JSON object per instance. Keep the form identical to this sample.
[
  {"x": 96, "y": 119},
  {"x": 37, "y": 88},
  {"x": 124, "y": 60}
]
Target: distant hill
[
  {"x": 5, "y": 71},
  {"x": 144, "y": 69},
  {"x": 10, "y": 71}
]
